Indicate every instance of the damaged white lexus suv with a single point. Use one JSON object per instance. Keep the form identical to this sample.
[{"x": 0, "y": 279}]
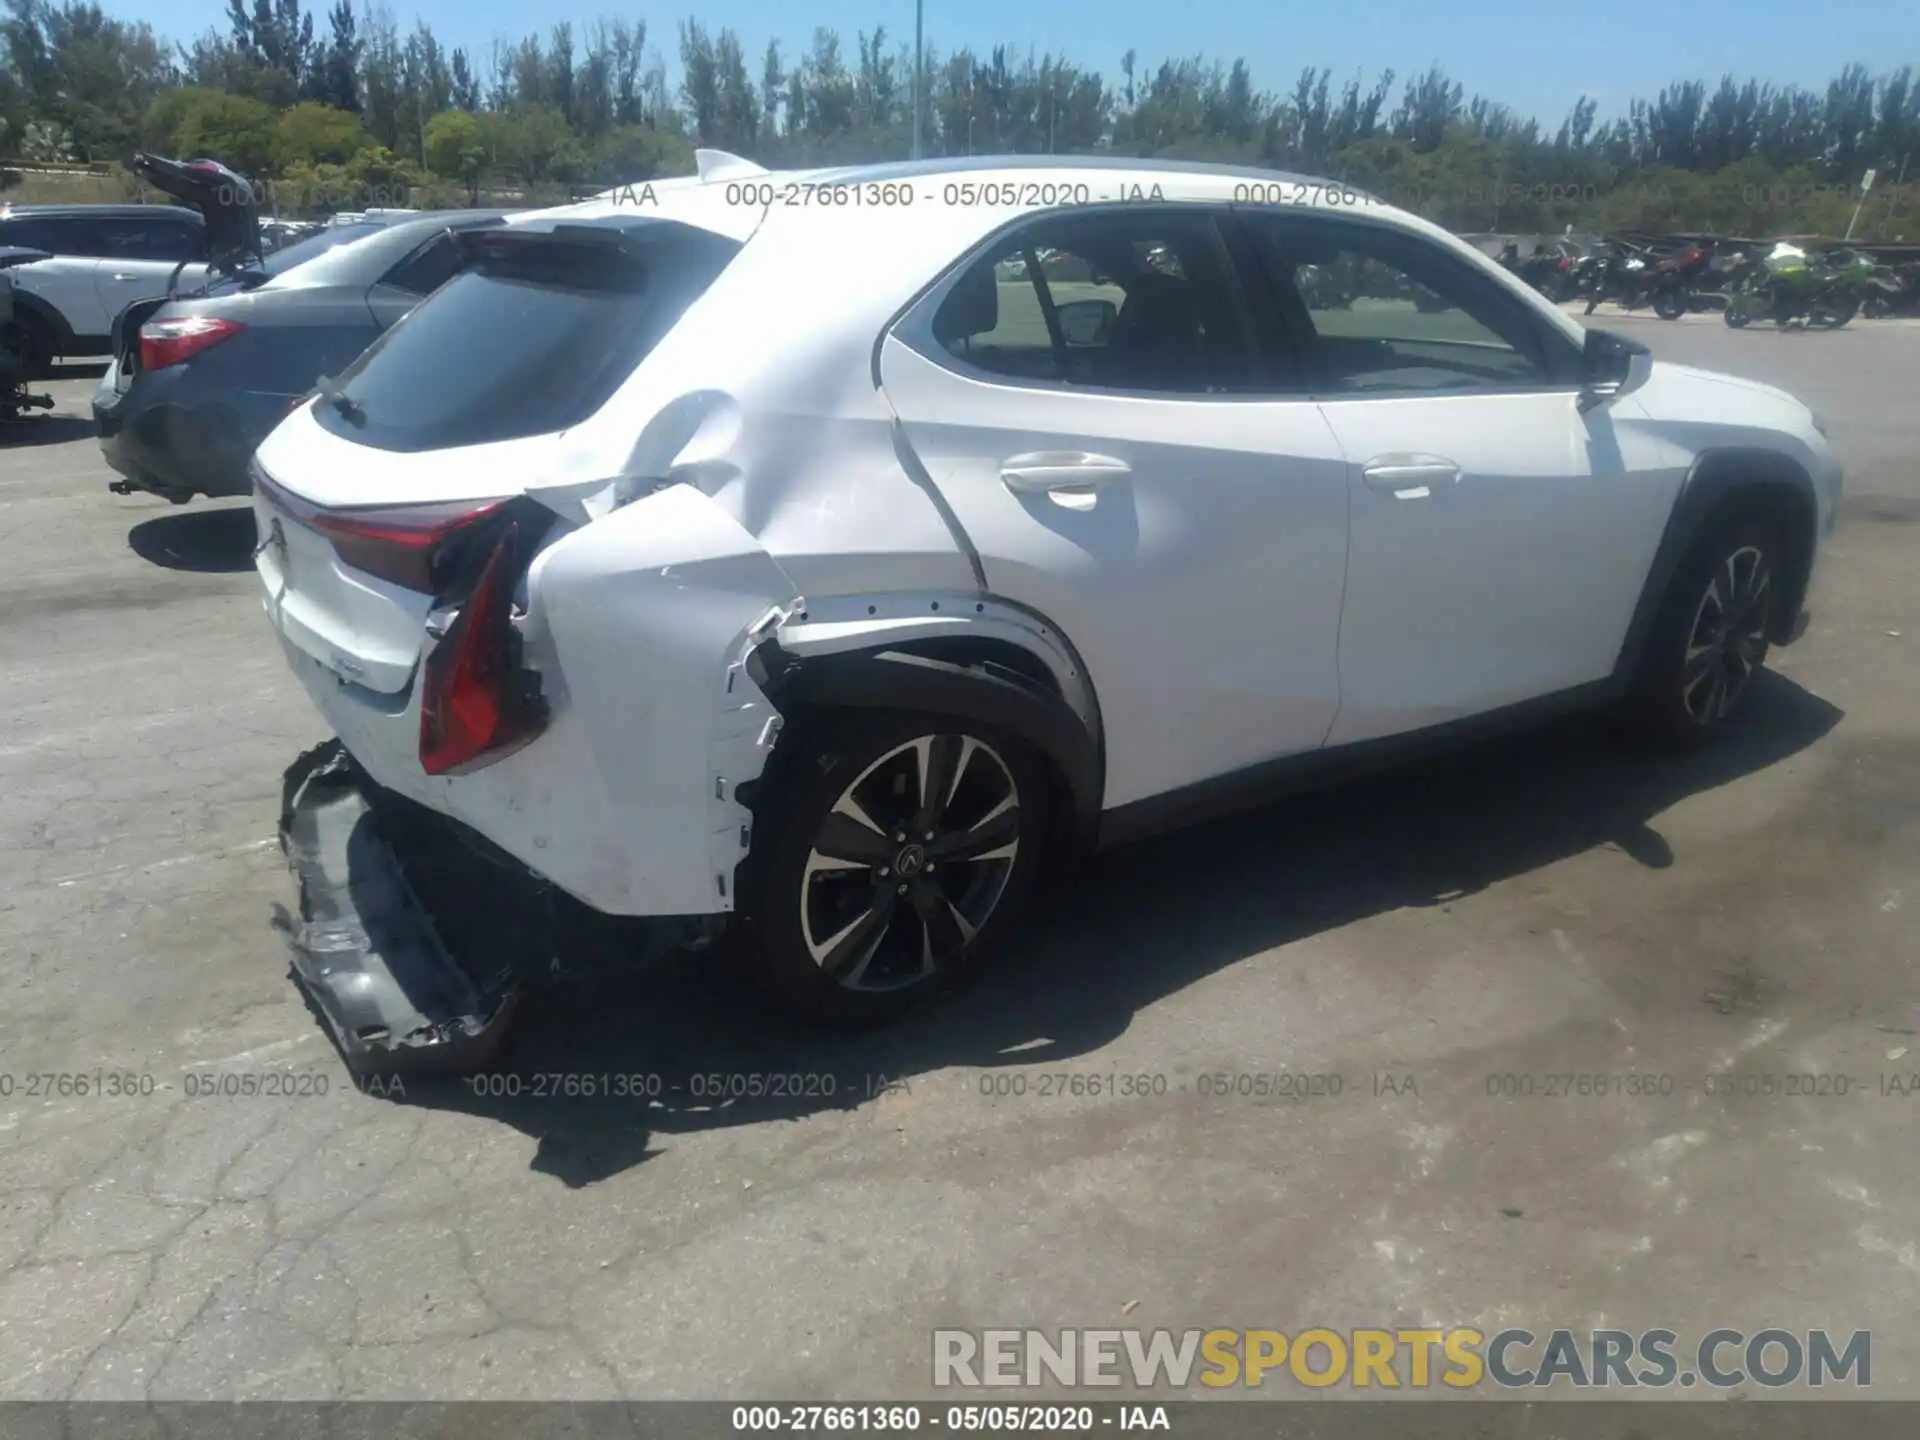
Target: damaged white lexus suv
[{"x": 825, "y": 557}]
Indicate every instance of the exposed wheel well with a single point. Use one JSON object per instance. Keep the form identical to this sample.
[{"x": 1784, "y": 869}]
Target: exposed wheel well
[
  {"x": 974, "y": 653},
  {"x": 1774, "y": 489},
  {"x": 1003, "y": 659}
]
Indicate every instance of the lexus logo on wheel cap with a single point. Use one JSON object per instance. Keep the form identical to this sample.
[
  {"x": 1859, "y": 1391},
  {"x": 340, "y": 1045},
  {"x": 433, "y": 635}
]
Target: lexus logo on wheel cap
[{"x": 910, "y": 862}]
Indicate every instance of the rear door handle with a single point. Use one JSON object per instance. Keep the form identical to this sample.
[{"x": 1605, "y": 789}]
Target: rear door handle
[
  {"x": 1045, "y": 471},
  {"x": 1409, "y": 477},
  {"x": 118, "y": 276}
]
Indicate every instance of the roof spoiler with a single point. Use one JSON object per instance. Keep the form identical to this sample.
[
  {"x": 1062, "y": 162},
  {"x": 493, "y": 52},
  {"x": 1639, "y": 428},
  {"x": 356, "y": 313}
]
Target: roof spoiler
[{"x": 724, "y": 165}]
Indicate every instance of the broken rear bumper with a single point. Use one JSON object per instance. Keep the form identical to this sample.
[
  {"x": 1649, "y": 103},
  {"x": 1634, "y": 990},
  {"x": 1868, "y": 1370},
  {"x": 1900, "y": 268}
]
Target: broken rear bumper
[{"x": 365, "y": 950}]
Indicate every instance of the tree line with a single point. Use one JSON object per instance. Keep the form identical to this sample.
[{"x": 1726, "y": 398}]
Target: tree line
[{"x": 352, "y": 103}]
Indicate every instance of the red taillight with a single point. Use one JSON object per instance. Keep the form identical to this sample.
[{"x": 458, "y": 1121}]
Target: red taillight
[
  {"x": 168, "y": 342},
  {"x": 401, "y": 544},
  {"x": 473, "y": 703}
]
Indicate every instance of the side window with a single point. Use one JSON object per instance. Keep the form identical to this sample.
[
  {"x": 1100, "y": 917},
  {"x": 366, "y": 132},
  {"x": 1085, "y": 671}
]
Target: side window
[
  {"x": 1123, "y": 301},
  {"x": 76, "y": 235},
  {"x": 27, "y": 234},
  {"x": 1373, "y": 309},
  {"x": 141, "y": 239},
  {"x": 426, "y": 269}
]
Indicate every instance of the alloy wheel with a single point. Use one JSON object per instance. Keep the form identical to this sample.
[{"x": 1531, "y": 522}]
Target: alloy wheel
[
  {"x": 910, "y": 863},
  {"x": 1728, "y": 637}
]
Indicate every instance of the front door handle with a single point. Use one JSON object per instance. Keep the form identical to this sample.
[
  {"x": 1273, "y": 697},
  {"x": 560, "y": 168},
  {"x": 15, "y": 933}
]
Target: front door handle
[
  {"x": 118, "y": 276},
  {"x": 1046, "y": 471},
  {"x": 1409, "y": 477}
]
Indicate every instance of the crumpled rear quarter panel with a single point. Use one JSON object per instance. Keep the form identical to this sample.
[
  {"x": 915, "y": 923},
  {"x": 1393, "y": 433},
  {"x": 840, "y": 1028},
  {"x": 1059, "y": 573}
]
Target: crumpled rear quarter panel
[{"x": 644, "y": 616}]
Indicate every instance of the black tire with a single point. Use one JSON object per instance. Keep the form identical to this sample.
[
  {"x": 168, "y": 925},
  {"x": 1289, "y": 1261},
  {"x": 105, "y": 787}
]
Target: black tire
[
  {"x": 35, "y": 343},
  {"x": 1834, "y": 316},
  {"x": 900, "y": 918},
  {"x": 1738, "y": 317},
  {"x": 1709, "y": 639},
  {"x": 1669, "y": 304}
]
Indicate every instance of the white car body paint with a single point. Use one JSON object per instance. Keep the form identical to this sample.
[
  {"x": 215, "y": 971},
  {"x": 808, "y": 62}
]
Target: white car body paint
[
  {"x": 1244, "y": 499},
  {"x": 627, "y": 798},
  {"x": 1515, "y": 580},
  {"x": 1240, "y": 594}
]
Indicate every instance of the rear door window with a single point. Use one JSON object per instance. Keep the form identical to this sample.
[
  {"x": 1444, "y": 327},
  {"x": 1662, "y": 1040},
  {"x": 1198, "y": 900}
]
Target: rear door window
[
  {"x": 160, "y": 239},
  {"x": 80, "y": 235},
  {"x": 532, "y": 335},
  {"x": 1142, "y": 301}
]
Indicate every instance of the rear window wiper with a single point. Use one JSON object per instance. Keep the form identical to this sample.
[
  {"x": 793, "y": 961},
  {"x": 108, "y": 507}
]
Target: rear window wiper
[{"x": 328, "y": 389}]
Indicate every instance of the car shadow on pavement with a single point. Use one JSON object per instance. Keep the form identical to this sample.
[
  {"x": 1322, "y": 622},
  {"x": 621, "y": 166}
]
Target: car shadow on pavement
[
  {"x": 689, "y": 1040},
  {"x": 42, "y": 429},
  {"x": 213, "y": 542}
]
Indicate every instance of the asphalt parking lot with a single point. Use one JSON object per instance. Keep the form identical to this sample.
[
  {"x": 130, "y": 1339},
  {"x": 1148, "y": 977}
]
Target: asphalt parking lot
[{"x": 1549, "y": 906}]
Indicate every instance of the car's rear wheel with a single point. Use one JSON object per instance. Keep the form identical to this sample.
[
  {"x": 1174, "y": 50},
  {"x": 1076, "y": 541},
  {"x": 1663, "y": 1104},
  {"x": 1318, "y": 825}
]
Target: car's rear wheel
[
  {"x": 897, "y": 848},
  {"x": 1710, "y": 638},
  {"x": 31, "y": 341}
]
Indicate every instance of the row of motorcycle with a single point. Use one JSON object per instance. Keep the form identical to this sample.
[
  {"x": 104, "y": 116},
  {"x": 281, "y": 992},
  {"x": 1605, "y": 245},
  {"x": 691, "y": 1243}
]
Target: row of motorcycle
[{"x": 1746, "y": 281}]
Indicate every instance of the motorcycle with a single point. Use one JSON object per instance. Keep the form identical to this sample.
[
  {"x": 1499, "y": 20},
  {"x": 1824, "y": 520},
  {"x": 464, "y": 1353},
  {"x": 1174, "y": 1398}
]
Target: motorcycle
[
  {"x": 1788, "y": 286},
  {"x": 1548, "y": 271},
  {"x": 16, "y": 345},
  {"x": 1767, "y": 287},
  {"x": 1587, "y": 272},
  {"x": 1892, "y": 290},
  {"x": 1675, "y": 283},
  {"x": 1841, "y": 281},
  {"x": 1559, "y": 283},
  {"x": 1625, "y": 277},
  {"x": 1792, "y": 288}
]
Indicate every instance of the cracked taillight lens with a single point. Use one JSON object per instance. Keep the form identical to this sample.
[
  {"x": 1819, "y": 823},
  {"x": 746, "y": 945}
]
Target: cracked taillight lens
[{"x": 477, "y": 704}]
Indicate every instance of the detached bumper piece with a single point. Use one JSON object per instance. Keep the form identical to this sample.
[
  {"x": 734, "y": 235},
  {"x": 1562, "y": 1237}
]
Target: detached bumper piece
[{"x": 366, "y": 951}]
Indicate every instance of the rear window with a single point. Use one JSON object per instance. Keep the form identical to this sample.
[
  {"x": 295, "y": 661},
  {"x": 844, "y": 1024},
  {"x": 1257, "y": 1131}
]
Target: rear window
[
  {"x": 301, "y": 251},
  {"x": 533, "y": 335}
]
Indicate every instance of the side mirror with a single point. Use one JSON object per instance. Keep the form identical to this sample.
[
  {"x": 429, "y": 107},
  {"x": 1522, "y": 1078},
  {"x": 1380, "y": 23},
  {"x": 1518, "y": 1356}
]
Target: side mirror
[
  {"x": 1086, "y": 322},
  {"x": 1613, "y": 366}
]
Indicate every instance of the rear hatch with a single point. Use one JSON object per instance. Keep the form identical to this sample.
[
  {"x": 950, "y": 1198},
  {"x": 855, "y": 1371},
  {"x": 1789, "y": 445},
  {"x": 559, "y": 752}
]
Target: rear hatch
[
  {"x": 225, "y": 200},
  {"x": 373, "y": 500}
]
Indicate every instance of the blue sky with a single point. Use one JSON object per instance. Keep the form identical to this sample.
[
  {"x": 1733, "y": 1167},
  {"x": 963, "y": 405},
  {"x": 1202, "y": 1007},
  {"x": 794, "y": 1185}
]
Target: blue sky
[{"x": 1536, "y": 55}]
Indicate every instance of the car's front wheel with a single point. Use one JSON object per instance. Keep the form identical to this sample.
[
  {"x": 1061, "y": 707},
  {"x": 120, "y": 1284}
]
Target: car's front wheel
[
  {"x": 1709, "y": 641},
  {"x": 897, "y": 848}
]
